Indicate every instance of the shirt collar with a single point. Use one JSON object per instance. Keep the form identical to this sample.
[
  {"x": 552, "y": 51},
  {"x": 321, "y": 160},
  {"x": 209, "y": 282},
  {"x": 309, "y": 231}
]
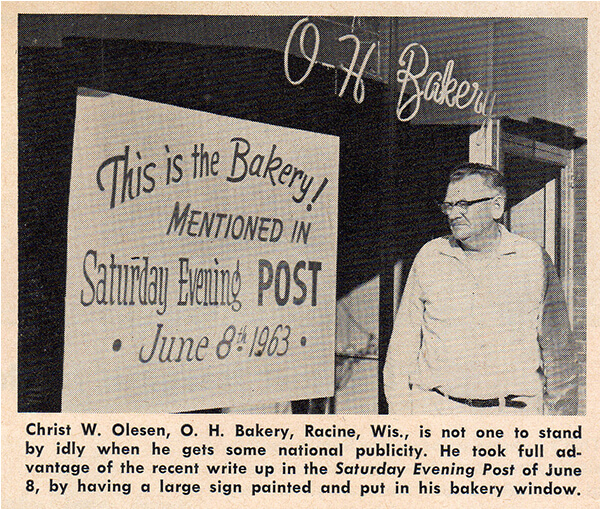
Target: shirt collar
[
  {"x": 508, "y": 241},
  {"x": 506, "y": 245}
]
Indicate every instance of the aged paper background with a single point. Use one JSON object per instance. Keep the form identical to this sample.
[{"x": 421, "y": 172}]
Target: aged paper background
[{"x": 13, "y": 423}]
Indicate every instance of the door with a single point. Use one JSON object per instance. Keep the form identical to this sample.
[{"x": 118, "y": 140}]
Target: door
[
  {"x": 538, "y": 169},
  {"x": 534, "y": 202}
]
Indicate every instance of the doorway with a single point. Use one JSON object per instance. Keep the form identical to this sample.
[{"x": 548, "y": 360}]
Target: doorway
[{"x": 534, "y": 204}]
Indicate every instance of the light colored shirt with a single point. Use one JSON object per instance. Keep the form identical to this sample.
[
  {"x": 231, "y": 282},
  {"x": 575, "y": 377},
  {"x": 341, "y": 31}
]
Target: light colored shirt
[{"x": 483, "y": 328}]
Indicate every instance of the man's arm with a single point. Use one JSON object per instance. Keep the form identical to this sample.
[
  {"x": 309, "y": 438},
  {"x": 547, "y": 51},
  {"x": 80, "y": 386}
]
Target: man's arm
[
  {"x": 557, "y": 348},
  {"x": 404, "y": 346}
]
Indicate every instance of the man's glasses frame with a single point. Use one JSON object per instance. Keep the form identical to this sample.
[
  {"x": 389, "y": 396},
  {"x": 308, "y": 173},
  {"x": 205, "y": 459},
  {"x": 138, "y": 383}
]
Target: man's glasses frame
[{"x": 462, "y": 205}]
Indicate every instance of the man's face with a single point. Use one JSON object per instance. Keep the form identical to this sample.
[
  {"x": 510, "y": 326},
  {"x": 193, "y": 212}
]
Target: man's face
[{"x": 479, "y": 219}]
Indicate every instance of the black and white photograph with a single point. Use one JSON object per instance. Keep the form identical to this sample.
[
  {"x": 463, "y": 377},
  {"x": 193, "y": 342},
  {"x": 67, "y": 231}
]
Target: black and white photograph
[{"x": 308, "y": 214}]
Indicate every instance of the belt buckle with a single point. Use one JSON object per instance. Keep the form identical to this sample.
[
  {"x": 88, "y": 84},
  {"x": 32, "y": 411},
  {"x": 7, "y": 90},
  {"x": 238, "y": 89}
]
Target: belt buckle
[
  {"x": 502, "y": 402},
  {"x": 512, "y": 402}
]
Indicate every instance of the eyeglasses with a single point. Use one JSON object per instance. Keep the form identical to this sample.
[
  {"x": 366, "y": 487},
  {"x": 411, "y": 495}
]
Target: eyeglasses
[{"x": 462, "y": 205}]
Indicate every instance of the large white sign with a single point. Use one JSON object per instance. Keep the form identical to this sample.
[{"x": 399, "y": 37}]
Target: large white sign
[{"x": 201, "y": 260}]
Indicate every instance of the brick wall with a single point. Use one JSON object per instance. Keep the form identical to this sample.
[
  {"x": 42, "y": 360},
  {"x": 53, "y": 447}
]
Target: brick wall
[{"x": 579, "y": 268}]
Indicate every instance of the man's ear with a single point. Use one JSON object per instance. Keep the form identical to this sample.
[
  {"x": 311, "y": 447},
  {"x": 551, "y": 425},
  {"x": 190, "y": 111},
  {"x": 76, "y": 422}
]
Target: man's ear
[{"x": 498, "y": 207}]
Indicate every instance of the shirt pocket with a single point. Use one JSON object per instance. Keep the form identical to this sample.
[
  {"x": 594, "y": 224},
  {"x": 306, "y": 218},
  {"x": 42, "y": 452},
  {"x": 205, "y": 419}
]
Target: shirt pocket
[
  {"x": 518, "y": 295},
  {"x": 449, "y": 303}
]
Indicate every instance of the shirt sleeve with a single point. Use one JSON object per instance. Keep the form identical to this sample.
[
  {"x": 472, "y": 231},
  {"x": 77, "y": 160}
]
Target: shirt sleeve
[
  {"x": 403, "y": 350},
  {"x": 557, "y": 348}
]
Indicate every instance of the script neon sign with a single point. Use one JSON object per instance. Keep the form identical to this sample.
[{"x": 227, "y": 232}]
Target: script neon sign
[{"x": 416, "y": 85}]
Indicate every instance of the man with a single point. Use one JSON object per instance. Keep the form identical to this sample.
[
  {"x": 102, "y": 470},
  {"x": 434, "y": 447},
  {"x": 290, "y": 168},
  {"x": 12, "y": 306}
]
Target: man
[{"x": 482, "y": 327}]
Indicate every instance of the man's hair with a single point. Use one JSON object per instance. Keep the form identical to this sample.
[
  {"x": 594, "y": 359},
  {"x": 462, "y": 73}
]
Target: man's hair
[{"x": 491, "y": 176}]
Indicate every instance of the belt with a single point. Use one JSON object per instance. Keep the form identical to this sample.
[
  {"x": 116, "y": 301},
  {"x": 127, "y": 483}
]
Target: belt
[{"x": 509, "y": 401}]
